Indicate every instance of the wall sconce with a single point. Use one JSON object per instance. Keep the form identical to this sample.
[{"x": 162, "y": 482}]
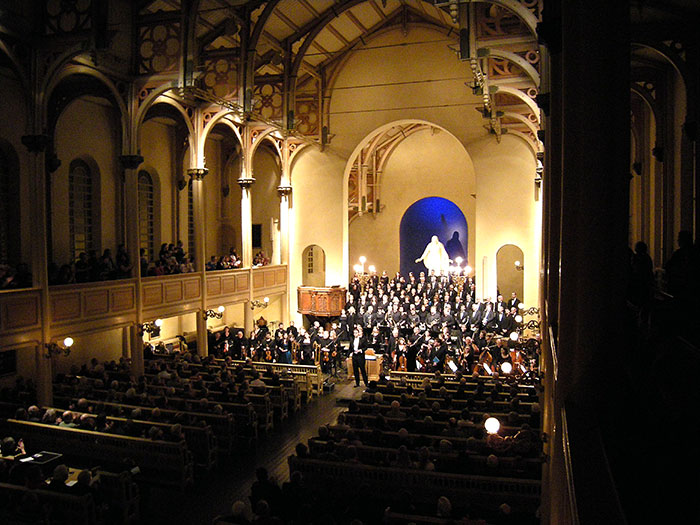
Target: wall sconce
[
  {"x": 519, "y": 266},
  {"x": 54, "y": 348},
  {"x": 151, "y": 328},
  {"x": 214, "y": 314},
  {"x": 259, "y": 304}
]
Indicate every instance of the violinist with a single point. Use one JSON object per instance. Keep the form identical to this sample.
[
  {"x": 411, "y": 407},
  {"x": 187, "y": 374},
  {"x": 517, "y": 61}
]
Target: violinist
[
  {"x": 468, "y": 355},
  {"x": 238, "y": 343}
]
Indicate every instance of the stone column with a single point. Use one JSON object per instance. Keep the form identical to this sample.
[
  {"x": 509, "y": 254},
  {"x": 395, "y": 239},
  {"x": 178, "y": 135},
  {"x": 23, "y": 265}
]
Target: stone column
[
  {"x": 247, "y": 244},
  {"x": 197, "y": 178},
  {"x": 36, "y": 145},
  {"x": 285, "y": 193},
  {"x": 130, "y": 164}
]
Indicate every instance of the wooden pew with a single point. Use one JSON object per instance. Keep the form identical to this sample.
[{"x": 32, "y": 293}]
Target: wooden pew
[
  {"x": 201, "y": 441},
  {"x": 57, "y": 507},
  {"x": 160, "y": 462},
  {"x": 222, "y": 425},
  {"x": 354, "y": 480}
]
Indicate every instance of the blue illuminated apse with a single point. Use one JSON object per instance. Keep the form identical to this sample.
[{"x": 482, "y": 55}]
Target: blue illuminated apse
[{"x": 425, "y": 218}]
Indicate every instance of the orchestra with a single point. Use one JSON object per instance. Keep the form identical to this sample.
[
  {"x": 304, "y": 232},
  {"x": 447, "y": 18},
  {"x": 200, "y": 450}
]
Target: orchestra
[{"x": 424, "y": 323}]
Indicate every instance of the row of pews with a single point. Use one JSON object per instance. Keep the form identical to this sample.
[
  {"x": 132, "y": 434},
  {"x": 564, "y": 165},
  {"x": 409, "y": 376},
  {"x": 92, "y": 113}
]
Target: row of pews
[
  {"x": 418, "y": 437},
  {"x": 211, "y": 425}
]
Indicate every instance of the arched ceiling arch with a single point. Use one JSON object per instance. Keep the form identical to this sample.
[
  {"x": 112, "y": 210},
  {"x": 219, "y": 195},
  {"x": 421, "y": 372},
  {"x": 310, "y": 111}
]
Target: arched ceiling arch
[{"x": 274, "y": 57}]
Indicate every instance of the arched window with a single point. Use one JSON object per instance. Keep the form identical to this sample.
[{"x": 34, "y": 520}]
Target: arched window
[
  {"x": 146, "y": 214},
  {"x": 9, "y": 206},
  {"x": 80, "y": 207}
]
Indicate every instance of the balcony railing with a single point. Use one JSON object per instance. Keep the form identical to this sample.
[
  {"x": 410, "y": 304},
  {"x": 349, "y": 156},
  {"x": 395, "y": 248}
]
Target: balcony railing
[{"x": 95, "y": 306}]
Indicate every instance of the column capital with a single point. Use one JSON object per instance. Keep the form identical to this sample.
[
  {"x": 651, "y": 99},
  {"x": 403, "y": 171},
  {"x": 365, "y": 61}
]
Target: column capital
[
  {"x": 197, "y": 173},
  {"x": 246, "y": 183},
  {"x": 130, "y": 162},
  {"x": 284, "y": 191},
  {"x": 36, "y": 143}
]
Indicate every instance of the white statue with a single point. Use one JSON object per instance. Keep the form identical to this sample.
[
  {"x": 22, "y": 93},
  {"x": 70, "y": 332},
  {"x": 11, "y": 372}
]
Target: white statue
[{"x": 435, "y": 257}]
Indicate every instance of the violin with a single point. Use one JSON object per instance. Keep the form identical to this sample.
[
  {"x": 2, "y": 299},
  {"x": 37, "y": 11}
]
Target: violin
[{"x": 268, "y": 354}]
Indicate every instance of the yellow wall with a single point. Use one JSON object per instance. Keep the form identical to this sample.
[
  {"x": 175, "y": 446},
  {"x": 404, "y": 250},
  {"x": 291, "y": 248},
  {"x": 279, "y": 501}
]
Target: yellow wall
[
  {"x": 104, "y": 346},
  {"x": 425, "y": 82},
  {"x": 157, "y": 151},
  {"x": 265, "y": 203},
  {"x": 88, "y": 128},
  {"x": 317, "y": 216},
  {"x": 506, "y": 211}
]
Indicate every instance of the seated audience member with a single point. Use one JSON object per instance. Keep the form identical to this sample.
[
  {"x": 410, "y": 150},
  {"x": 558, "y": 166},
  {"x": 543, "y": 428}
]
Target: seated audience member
[{"x": 59, "y": 478}]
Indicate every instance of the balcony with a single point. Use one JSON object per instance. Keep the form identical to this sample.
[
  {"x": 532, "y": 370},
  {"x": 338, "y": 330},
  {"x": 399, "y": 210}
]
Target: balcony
[
  {"x": 96, "y": 306},
  {"x": 92, "y": 306},
  {"x": 20, "y": 315}
]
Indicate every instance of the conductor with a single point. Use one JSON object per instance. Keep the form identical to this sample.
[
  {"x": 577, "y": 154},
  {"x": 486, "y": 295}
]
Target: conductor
[{"x": 358, "y": 344}]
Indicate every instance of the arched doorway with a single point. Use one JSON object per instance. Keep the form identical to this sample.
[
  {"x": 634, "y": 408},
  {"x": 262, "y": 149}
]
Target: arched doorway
[
  {"x": 509, "y": 275},
  {"x": 425, "y": 218},
  {"x": 313, "y": 270}
]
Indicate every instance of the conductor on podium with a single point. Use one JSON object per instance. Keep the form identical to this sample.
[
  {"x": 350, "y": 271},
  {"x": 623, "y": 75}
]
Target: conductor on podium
[{"x": 358, "y": 344}]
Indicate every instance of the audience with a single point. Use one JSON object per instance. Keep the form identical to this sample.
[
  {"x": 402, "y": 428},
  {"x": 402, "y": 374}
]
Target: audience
[{"x": 15, "y": 277}]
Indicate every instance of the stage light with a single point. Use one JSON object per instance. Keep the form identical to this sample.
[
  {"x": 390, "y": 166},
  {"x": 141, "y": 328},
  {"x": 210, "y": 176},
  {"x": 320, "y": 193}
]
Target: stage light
[
  {"x": 518, "y": 318},
  {"x": 363, "y": 259},
  {"x": 514, "y": 336},
  {"x": 458, "y": 260},
  {"x": 68, "y": 342},
  {"x": 372, "y": 269},
  {"x": 506, "y": 367},
  {"x": 492, "y": 425}
]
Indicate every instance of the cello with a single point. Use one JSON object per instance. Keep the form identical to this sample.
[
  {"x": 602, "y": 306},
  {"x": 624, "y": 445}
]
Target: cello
[{"x": 484, "y": 363}]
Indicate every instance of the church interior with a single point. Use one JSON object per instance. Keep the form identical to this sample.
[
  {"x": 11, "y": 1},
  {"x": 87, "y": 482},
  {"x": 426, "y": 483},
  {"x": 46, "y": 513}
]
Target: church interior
[{"x": 170, "y": 169}]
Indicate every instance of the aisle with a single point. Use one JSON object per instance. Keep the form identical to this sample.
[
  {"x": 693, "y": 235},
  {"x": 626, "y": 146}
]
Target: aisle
[{"x": 233, "y": 478}]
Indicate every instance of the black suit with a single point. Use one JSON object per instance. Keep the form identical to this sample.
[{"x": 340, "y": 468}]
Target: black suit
[{"x": 357, "y": 351}]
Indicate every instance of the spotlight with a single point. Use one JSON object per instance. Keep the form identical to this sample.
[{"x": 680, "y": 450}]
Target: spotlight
[
  {"x": 492, "y": 425},
  {"x": 506, "y": 367},
  {"x": 514, "y": 336}
]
